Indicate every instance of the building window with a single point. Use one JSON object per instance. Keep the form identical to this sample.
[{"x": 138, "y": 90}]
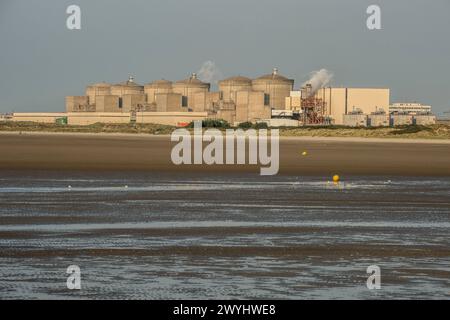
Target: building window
[
  {"x": 184, "y": 101},
  {"x": 266, "y": 99}
]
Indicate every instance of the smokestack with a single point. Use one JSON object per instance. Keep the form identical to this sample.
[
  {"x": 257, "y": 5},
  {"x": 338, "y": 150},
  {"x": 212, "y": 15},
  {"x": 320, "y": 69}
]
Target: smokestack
[{"x": 319, "y": 79}]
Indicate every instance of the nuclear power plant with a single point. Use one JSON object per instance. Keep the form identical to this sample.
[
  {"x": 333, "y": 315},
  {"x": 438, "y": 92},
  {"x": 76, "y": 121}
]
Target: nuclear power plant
[
  {"x": 270, "y": 98},
  {"x": 239, "y": 99}
]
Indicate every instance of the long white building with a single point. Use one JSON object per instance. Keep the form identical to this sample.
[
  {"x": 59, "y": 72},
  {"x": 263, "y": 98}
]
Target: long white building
[{"x": 409, "y": 108}]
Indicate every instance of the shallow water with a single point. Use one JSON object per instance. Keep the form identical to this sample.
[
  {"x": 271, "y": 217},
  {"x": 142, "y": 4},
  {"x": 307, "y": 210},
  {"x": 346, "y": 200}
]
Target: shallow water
[{"x": 172, "y": 236}]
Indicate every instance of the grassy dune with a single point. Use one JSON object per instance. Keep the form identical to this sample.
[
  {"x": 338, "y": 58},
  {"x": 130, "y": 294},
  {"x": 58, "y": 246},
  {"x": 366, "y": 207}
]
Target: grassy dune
[
  {"x": 439, "y": 131},
  {"x": 94, "y": 128}
]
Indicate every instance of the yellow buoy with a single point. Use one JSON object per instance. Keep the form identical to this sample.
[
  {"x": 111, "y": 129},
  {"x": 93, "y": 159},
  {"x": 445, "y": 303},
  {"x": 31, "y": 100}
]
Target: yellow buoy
[{"x": 336, "y": 178}]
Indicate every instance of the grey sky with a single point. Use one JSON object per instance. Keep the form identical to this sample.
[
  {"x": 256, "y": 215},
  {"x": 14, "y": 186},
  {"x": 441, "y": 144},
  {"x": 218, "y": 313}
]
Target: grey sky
[{"x": 41, "y": 61}]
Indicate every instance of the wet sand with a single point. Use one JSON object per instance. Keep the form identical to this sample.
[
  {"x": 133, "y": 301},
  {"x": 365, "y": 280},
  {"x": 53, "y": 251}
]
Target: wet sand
[
  {"x": 326, "y": 156},
  {"x": 142, "y": 228},
  {"x": 223, "y": 236}
]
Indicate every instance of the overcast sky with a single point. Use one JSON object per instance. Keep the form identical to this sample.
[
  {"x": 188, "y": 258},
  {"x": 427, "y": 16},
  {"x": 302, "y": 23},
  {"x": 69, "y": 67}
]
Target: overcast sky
[{"x": 41, "y": 61}]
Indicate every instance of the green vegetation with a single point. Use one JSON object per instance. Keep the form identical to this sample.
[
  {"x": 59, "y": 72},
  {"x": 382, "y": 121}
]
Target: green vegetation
[
  {"x": 249, "y": 125},
  {"x": 260, "y": 125},
  {"x": 93, "y": 128},
  {"x": 245, "y": 125},
  {"x": 438, "y": 131},
  {"x": 212, "y": 123}
]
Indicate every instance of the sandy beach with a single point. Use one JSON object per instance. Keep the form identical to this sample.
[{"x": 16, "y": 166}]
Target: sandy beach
[{"x": 127, "y": 152}]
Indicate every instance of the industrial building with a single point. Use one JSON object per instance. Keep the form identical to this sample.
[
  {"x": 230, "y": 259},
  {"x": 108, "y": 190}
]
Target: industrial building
[
  {"x": 355, "y": 107},
  {"x": 331, "y": 104},
  {"x": 239, "y": 99},
  {"x": 87, "y": 118},
  {"x": 424, "y": 119},
  {"x": 401, "y": 119},
  {"x": 270, "y": 98},
  {"x": 355, "y": 119},
  {"x": 411, "y": 113},
  {"x": 410, "y": 108},
  {"x": 378, "y": 119}
]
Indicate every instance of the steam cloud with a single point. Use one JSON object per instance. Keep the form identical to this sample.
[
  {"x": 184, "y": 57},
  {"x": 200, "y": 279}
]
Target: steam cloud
[
  {"x": 209, "y": 72},
  {"x": 319, "y": 79}
]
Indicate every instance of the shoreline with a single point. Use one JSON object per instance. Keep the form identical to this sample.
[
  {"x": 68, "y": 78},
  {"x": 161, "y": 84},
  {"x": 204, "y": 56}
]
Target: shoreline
[{"x": 286, "y": 138}]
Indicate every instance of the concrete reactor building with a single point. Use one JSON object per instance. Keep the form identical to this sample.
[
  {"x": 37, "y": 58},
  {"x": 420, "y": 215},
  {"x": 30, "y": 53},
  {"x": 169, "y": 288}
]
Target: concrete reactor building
[{"x": 239, "y": 99}]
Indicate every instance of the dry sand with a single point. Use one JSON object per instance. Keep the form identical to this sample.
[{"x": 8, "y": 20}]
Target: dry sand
[{"x": 125, "y": 152}]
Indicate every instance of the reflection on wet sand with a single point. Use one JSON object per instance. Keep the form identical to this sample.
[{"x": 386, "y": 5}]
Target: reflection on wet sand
[{"x": 230, "y": 236}]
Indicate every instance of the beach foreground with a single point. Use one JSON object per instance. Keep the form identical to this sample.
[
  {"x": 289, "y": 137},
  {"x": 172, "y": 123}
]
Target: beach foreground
[
  {"x": 140, "y": 227},
  {"x": 326, "y": 156}
]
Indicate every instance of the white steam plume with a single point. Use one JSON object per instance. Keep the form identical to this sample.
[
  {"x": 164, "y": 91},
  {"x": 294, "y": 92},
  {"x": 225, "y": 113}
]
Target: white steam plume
[
  {"x": 319, "y": 79},
  {"x": 209, "y": 72}
]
